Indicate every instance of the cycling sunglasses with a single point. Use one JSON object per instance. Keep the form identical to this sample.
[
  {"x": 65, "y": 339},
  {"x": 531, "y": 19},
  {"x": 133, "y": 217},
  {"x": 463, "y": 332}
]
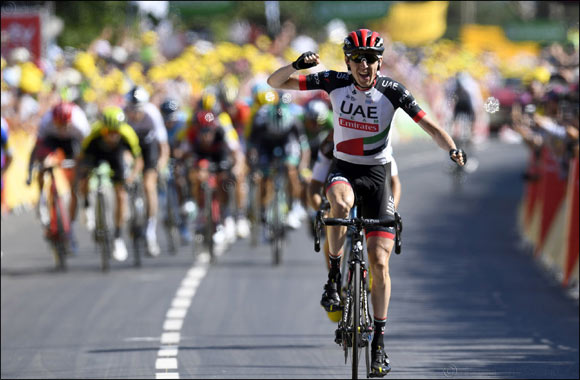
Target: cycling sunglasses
[{"x": 370, "y": 58}]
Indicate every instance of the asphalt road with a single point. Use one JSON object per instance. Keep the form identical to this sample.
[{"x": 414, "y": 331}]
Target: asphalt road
[{"x": 468, "y": 299}]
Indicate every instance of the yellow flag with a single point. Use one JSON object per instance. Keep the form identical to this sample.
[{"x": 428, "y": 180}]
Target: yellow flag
[{"x": 417, "y": 23}]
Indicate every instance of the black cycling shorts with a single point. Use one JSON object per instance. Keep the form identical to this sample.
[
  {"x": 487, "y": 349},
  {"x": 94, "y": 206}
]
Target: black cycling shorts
[
  {"x": 373, "y": 184},
  {"x": 150, "y": 153},
  {"x": 70, "y": 146},
  {"x": 115, "y": 159}
]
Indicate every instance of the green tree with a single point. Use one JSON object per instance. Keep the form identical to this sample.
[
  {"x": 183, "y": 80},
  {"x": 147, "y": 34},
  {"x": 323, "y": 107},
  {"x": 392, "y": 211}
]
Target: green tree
[{"x": 85, "y": 20}]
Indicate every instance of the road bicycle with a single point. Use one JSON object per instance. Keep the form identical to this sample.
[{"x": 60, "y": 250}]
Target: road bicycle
[
  {"x": 211, "y": 209},
  {"x": 103, "y": 233},
  {"x": 168, "y": 187},
  {"x": 137, "y": 220},
  {"x": 254, "y": 197},
  {"x": 355, "y": 327},
  {"x": 57, "y": 227},
  {"x": 277, "y": 210}
]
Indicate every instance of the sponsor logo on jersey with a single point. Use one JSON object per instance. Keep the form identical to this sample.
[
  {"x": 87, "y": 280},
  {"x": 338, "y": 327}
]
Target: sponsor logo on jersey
[
  {"x": 347, "y": 108},
  {"x": 390, "y": 84},
  {"x": 367, "y": 127}
]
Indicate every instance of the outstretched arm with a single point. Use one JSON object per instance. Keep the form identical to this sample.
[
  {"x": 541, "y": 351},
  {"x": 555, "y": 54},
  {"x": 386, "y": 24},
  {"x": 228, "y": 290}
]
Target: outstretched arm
[{"x": 441, "y": 137}]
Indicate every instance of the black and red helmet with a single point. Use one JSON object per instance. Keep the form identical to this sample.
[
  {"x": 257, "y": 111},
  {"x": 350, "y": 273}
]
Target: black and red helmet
[{"x": 363, "y": 40}]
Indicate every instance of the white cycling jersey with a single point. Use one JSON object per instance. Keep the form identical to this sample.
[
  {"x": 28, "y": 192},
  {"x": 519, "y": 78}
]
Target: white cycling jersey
[
  {"x": 362, "y": 119},
  {"x": 151, "y": 127},
  {"x": 77, "y": 129}
]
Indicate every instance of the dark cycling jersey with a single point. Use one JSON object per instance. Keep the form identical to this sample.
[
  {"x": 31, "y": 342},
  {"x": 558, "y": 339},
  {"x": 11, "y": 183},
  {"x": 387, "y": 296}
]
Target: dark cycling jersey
[
  {"x": 362, "y": 119},
  {"x": 94, "y": 150}
]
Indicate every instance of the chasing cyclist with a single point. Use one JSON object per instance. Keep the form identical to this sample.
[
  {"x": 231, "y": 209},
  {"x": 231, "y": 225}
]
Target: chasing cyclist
[
  {"x": 147, "y": 121},
  {"x": 364, "y": 104},
  {"x": 108, "y": 141},
  {"x": 63, "y": 127},
  {"x": 278, "y": 132}
]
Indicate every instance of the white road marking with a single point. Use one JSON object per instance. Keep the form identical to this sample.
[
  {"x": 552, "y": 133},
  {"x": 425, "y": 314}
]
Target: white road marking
[
  {"x": 166, "y": 363},
  {"x": 167, "y": 375},
  {"x": 167, "y": 354},
  {"x": 176, "y": 313},
  {"x": 173, "y": 324},
  {"x": 167, "y": 351}
]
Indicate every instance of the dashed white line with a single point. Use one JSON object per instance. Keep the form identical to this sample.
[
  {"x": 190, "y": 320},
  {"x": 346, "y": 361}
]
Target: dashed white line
[{"x": 167, "y": 354}]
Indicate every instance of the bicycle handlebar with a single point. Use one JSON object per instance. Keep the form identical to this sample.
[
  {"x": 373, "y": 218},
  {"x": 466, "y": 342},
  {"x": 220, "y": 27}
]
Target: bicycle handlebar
[
  {"x": 358, "y": 222},
  {"x": 397, "y": 223}
]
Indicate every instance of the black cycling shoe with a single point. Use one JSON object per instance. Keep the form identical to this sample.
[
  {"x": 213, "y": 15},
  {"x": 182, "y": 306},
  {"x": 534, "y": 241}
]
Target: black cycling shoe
[
  {"x": 380, "y": 364},
  {"x": 330, "y": 298}
]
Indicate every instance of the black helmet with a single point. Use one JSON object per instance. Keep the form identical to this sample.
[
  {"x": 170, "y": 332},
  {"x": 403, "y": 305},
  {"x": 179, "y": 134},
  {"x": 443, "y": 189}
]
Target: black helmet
[
  {"x": 363, "y": 40},
  {"x": 137, "y": 96}
]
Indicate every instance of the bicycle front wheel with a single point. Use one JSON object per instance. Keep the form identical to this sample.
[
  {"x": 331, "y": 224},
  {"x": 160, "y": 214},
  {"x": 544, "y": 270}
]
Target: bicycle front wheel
[
  {"x": 103, "y": 236},
  {"x": 60, "y": 240},
  {"x": 356, "y": 325}
]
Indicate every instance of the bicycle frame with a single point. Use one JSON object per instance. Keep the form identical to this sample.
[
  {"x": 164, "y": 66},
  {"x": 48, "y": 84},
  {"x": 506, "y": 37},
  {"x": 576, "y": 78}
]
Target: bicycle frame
[
  {"x": 102, "y": 230},
  {"x": 58, "y": 229},
  {"x": 355, "y": 327}
]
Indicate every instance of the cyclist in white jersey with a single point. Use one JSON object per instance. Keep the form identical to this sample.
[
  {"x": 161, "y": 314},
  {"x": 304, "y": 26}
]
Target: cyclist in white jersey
[
  {"x": 364, "y": 104},
  {"x": 63, "y": 127},
  {"x": 147, "y": 121}
]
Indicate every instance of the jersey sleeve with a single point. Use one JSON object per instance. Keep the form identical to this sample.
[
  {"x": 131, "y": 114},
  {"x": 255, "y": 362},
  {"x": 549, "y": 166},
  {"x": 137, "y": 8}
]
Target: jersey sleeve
[
  {"x": 324, "y": 80},
  {"x": 80, "y": 123},
  {"x": 130, "y": 137},
  {"x": 401, "y": 98},
  {"x": 95, "y": 132},
  {"x": 43, "y": 129},
  {"x": 158, "y": 123}
]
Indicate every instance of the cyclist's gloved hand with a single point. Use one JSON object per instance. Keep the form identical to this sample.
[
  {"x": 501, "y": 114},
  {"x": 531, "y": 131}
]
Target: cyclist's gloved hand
[
  {"x": 458, "y": 156},
  {"x": 301, "y": 63}
]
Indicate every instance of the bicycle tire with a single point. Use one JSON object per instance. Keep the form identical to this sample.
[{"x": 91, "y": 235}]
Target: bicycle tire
[
  {"x": 277, "y": 228},
  {"x": 356, "y": 326},
  {"x": 137, "y": 226},
  {"x": 209, "y": 222},
  {"x": 254, "y": 206},
  {"x": 172, "y": 218},
  {"x": 103, "y": 232},
  {"x": 60, "y": 240}
]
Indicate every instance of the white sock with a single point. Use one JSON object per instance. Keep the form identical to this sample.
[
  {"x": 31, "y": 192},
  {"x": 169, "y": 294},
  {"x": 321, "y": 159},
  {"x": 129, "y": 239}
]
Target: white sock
[{"x": 151, "y": 227}]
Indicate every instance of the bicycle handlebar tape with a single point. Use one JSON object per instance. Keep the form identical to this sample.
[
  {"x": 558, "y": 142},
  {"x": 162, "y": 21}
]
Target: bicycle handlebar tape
[{"x": 299, "y": 63}]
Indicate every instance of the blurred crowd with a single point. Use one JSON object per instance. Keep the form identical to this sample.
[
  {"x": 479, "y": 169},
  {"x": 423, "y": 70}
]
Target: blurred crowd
[{"x": 183, "y": 64}]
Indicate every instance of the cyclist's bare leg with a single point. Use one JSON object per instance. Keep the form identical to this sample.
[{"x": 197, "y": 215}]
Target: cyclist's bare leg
[
  {"x": 150, "y": 187},
  {"x": 83, "y": 185},
  {"x": 266, "y": 191},
  {"x": 121, "y": 202},
  {"x": 294, "y": 182},
  {"x": 223, "y": 195},
  {"x": 194, "y": 179},
  {"x": 341, "y": 199},
  {"x": 241, "y": 189},
  {"x": 379, "y": 251}
]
